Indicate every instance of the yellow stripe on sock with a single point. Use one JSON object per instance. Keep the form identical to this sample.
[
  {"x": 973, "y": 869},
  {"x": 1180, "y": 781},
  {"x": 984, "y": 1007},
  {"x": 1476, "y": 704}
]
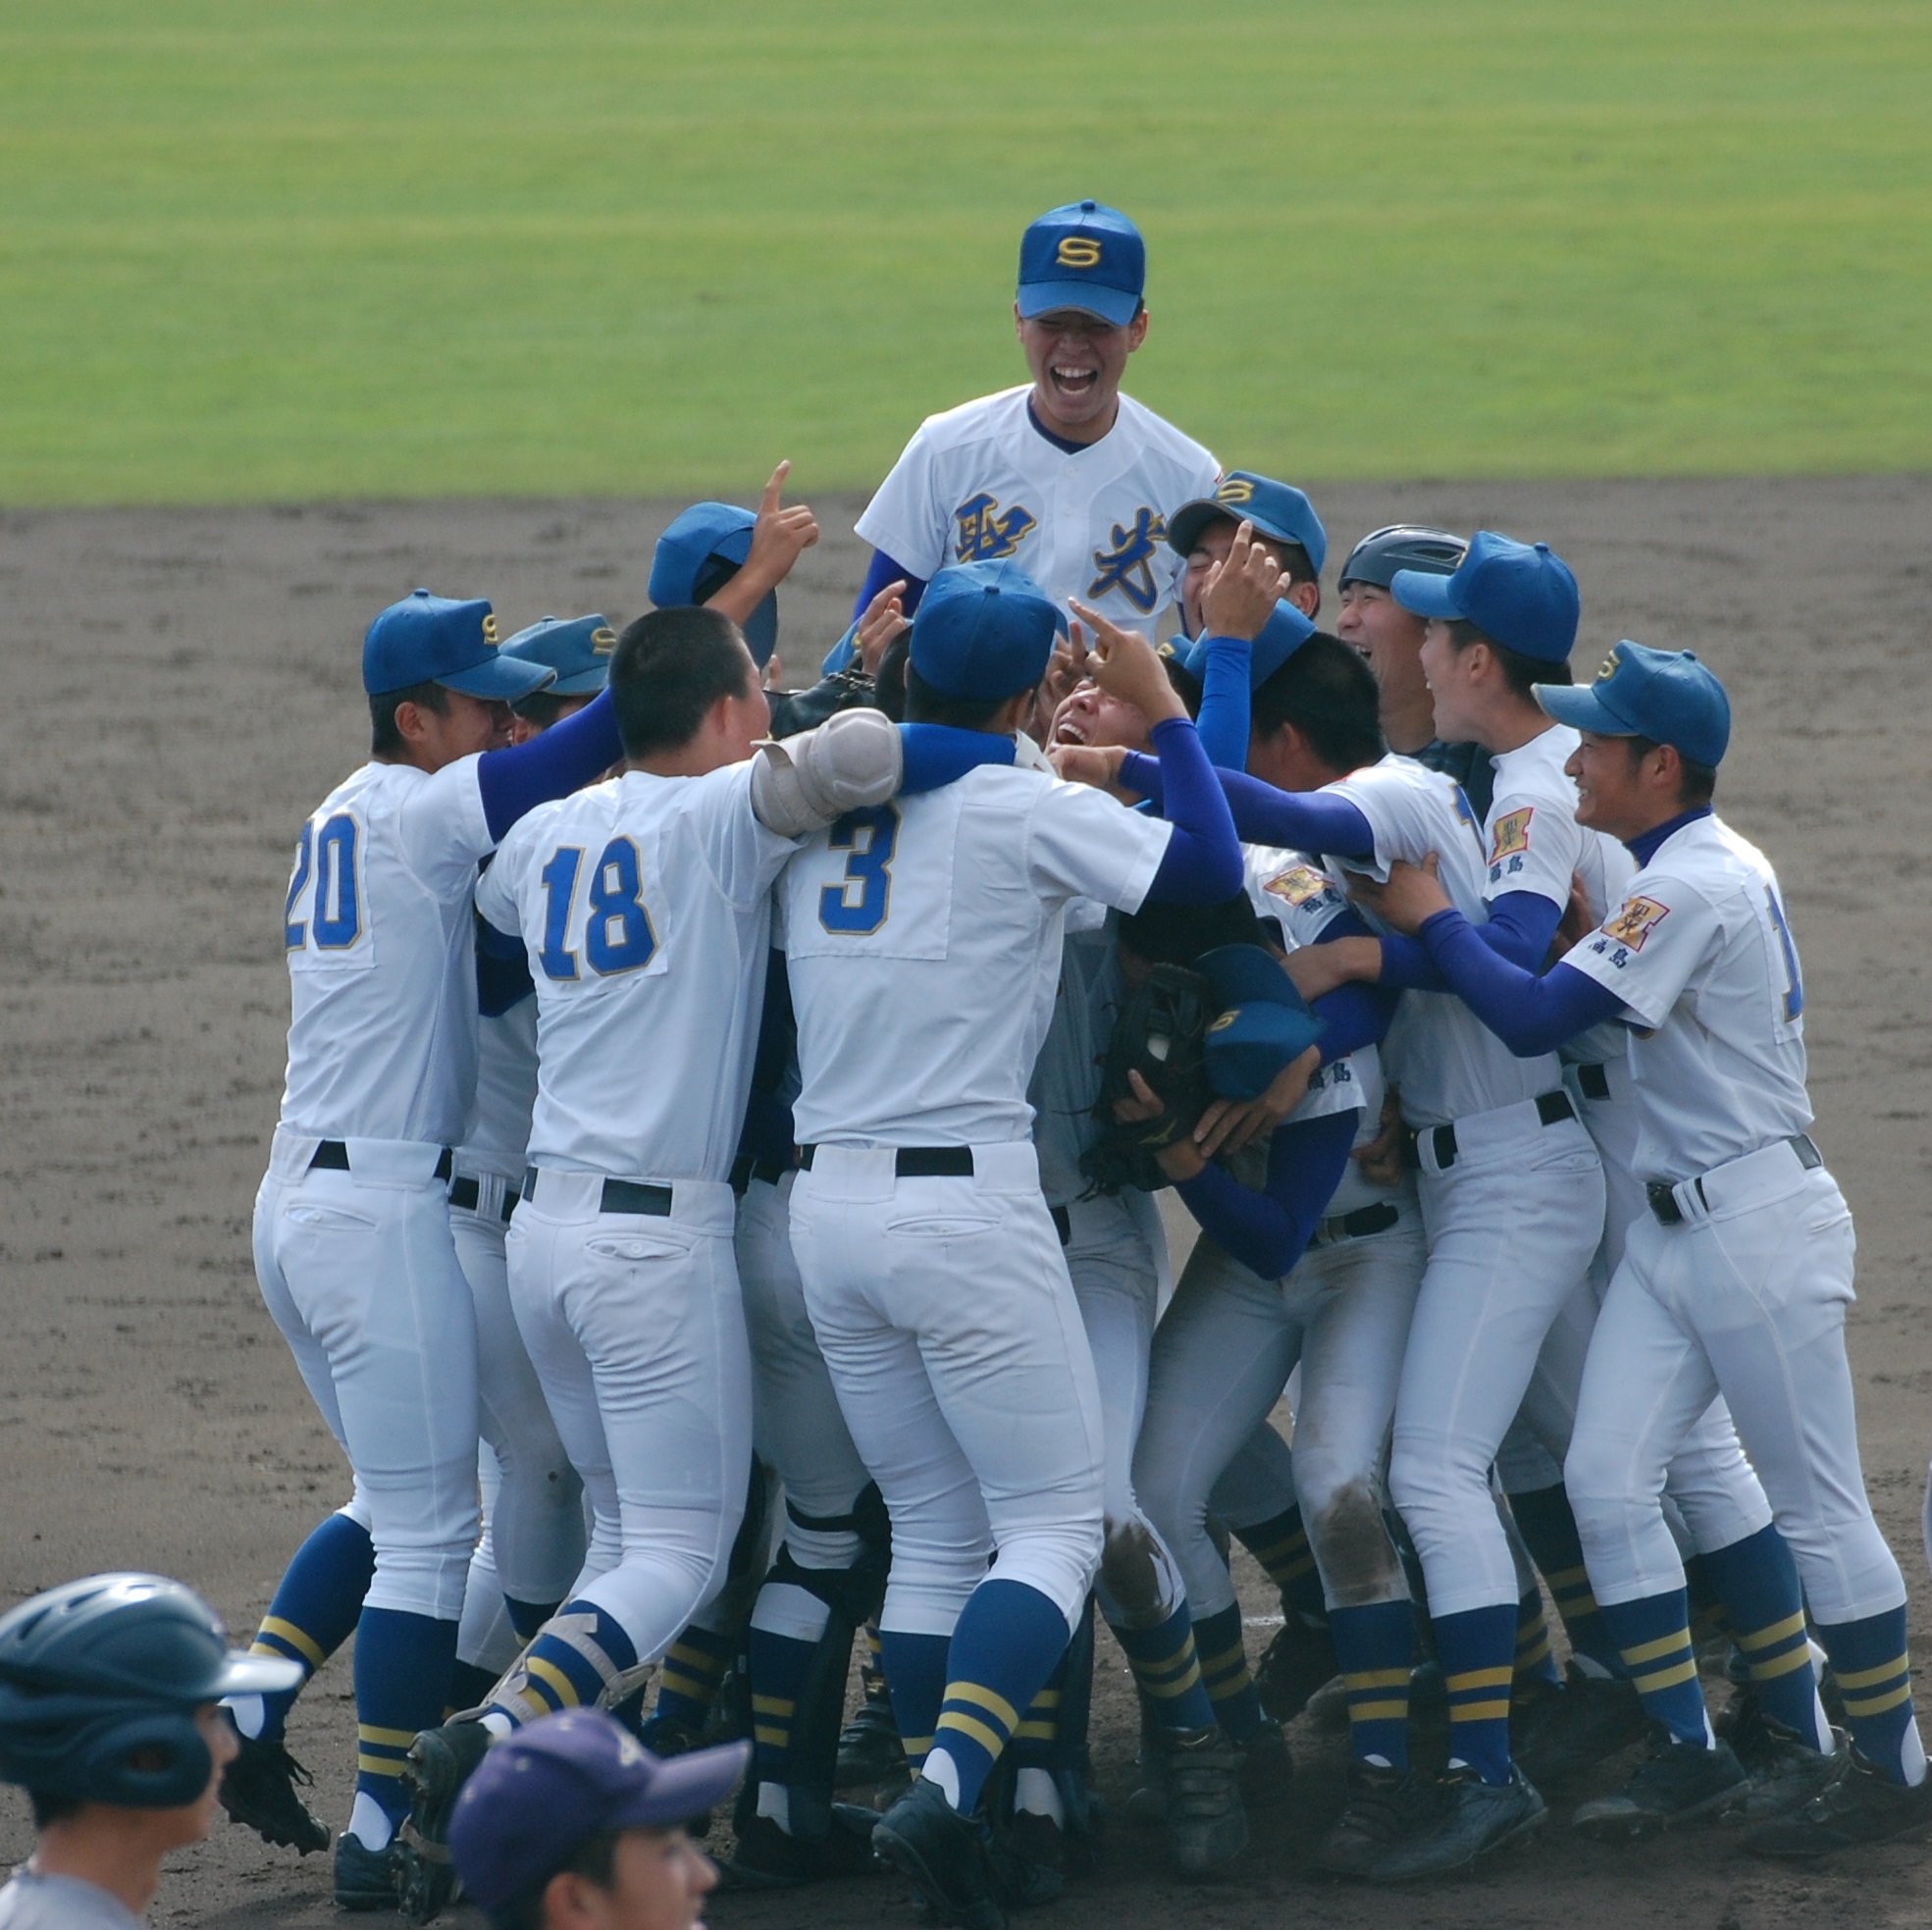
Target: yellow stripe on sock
[
  {"x": 287, "y": 1631},
  {"x": 1166, "y": 1691},
  {"x": 1377, "y": 1679},
  {"x": 682, "y": 1652},
  {"x": 1536, "y": 1656},
  {"x": 778, "y": 1738},
  {"x": 1648, "y": 1652},
  {"x": 1047, "y": 1699},
  {"x": 679, "y": 1683},
  {"x": 1036, "y": 1732},
  {"x": 1479, "y": 1711},
  {"x": 1648, "y": 1684},
  {"x": 555, "y": 1677},
  {"x": 1277, "y": 1551},
  {"x": 773, "y": 1705},
  {"x": 1378, "y": 1711},
  {"x": 378, "y": 1765},
  {"x": 1176, "y": 1664},
  {"x": 1770, "y": 1638},
  {"x": 1225, "y": 1658},
  {"x": 996, "y": 1705},
  {"x": 916, "y": 1748},
  {"x": 990, "y": 1740},
  {"x": 1871, "y": 1678},
  {"x": 393, "y": 1739},
  {"x": 1781, "y": 1664},
  {"x": 1878, "y": 1704},
  {"x": 1461, "y": 1685}
]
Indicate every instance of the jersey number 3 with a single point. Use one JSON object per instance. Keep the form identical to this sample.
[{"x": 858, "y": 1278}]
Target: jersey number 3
[
  {"x": 617, "y": 933},
  {"x": 327, "y": 861},
  {"x": 858, "y": 906}
]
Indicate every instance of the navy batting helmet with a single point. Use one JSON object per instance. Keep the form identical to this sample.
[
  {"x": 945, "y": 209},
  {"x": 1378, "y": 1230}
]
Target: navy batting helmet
[
  {"x": 99, "y": 1682},
  {"x": 1403, "y": 547}
]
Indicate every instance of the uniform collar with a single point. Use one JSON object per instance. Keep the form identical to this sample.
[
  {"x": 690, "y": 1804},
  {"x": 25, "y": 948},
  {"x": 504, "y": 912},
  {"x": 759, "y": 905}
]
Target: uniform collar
[{"x": 1647, "y": 847}]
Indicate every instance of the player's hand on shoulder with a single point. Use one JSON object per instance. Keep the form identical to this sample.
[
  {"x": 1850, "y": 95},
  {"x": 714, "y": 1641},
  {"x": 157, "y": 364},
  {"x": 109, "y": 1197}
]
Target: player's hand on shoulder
[
  {"x": 1242, "y": 590},
  {"x": 1411, "y": 897},
  {"x": 1125, "y": 665},
  {"x": 780, "y": 536},
  {"x": 1098, "y": 764}
]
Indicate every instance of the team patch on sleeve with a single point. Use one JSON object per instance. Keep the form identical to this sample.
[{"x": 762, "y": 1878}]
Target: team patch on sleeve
[
  {"x": 1632, "y": 925},
  {"x": 1299, "y": 885},
  {"x": 1509, "y": 837}
]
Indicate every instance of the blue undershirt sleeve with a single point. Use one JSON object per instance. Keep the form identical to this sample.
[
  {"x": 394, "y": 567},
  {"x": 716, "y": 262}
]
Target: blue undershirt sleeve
[
  {"x": 1225, "y": 701},
  {"x": 1357, "y": 1013},
  {"x": 553, "y": 764},
  {"x": 1530, "y": 1015},
  {"x": 1520, "y": 926},
  {"x": 1268, "y": 1232},
  {"x": 937, "y": 754},
  {"x": 880, "y": 571},
  {"x": 1202, "y": 864},
  {"x": 1296, "y": 820}
]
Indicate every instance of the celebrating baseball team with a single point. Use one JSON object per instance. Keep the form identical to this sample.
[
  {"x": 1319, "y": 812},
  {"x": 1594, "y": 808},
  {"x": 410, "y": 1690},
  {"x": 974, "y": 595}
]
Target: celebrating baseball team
[{"x": 715, "y": 1208}]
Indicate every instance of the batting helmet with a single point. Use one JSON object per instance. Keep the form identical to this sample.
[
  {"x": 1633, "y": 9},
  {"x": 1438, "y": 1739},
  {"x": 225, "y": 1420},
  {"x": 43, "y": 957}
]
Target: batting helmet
[
  {"x": 1403, "y": 547},
  {"x": 99, "y": 1682}
]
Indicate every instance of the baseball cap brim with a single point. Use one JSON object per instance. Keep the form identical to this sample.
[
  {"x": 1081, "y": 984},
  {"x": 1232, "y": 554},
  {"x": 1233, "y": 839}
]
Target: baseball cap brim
[
  {"x": 1116, "y": 306},
  {"x": 681, "y": 1787},
  {"x": 1578, "y": 706},
  {"x": 1185, "y": 525},
  {"x": 257, "y": 1675},
  {"x": 1425, "y": 595},
  {"x": 505, "y": 677}
]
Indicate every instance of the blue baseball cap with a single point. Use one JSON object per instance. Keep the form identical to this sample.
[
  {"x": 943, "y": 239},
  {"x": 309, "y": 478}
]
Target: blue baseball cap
[
  {"x": 1277, "y": 509},
  {"x": 984, "y": 629},
  {"x": 540, "y": 1791},
  {"x": 577, "y": 647},
  {"x": 1518, "y": 595},
  {"x": 1082, "y": 256},
  {"x": 699, "y": 554},
  {"x": 440, "y": 640},
  {"x": 1664, "y": 694},
  {"x": 1284, "y": 633},
  {"x": 1264, "y": 1023}
]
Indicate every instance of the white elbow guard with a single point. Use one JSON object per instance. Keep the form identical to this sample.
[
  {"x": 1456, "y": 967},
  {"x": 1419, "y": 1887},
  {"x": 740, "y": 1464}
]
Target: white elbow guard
[{"x": 802, "y": 784}]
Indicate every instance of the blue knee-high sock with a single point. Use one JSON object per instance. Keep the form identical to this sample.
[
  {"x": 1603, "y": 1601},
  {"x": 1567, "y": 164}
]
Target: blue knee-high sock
[
  {"x": 1224, "y": 1654},
  {"x": 1533, "y": 1661},
  {"x": 1478, "y": 1651},
  {"x": 1166, "y": 1670},
  {"x": 914, "y": 1668},
  {"x": 1869, "y": 1658},
  {"x": 1033, "y": 1742},
  {"x": 562, "y": 1670},
  {"x": 1549, "y": 1533},
  {"x": 527, "y": 1617},
  {"x": 1009, "y": 1639},
  {"x": 1654, "y": 1645},
  {"x": 402, "y": 1665},
  {"x": 1756, "y": 1580},
  {"x": 694, "y": 1666},
  {"x": 1709, "y": 1620},
  {"x": 1373, "y": 1645},
  {"x": 315, "y": 1608},
  {"x": 469, "y": 1685},
  {"x": 779, "y": 1665},
  {"x": 1282, "y": 1547}
]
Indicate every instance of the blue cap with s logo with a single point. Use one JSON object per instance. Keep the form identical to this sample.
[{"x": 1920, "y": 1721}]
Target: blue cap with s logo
[
  {"x": 578, "y": 648},
  {"x": 1518, "y": 595},
  {"x": 1082, "y": 256},
  {"x": 1276, "y": 510},
  {"x": 449, "y": 641},
  {"x": 1667, "y": 696},
  {"x": 983, "y": 630}
]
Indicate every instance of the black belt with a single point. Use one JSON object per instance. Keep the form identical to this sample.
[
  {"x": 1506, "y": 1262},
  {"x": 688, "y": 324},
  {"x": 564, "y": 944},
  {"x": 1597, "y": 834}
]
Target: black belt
[
  {"x": 1365, "y": 1219},
  {"x": 917, "y": 1161},
  {"x": 1063, "y": 1223},
  {"x": 1594, "y": 1080},
  {"x": 1663, "y": 1194},
  {"x": 332, "y": 1155},
  {"x": 618, "y": 1195},
  {"x": 1552, "y": 1109},
  {"x": 467, "y": 1193},
  {"x": 744, "y": 1172}
]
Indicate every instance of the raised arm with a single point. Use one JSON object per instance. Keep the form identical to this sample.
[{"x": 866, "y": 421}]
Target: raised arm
[{"x": 551, "y": 764}]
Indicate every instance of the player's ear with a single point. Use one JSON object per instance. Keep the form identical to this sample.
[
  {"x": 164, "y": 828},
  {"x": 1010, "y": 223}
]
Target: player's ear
[
  {"x": 1138, "y": 330},
  {"x": 1305, "y": 597},
  {"x": 1019, "y": 323}
]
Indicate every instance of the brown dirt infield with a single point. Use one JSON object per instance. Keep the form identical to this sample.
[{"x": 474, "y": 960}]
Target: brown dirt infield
[{"x": 184, "y": 687}]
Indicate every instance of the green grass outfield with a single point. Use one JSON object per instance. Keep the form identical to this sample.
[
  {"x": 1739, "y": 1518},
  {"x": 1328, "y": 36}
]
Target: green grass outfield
[{"x": 260, "y": 249}]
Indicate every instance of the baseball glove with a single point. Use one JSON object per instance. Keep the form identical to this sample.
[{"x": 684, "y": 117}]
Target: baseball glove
[{"x": 1158, "y": 1034}]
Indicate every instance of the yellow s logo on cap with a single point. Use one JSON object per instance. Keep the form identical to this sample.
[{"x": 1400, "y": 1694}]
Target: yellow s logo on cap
[
  {"x": 604, "y": 639},
  {"x": 490, "y": 628},
  {"x": 1234, "y": 490},
  {"x": 1609, "y": 668},
  {"x": 1077, "y": 251},
  {"x": 1221, "y": 1024}
]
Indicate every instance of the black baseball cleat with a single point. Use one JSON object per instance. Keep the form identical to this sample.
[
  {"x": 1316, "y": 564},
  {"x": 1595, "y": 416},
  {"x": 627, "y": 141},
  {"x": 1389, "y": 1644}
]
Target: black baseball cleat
[
  {"x": 1556, "y": 1732},
  {"x": 259, "y": 1790},
  {"x": 1300, "y": 1660},
  {"x": 1384, "y": 1807},
  {"x": 869, "y": 1749},
  {"x": 1268, "y": 1769},
  {"x": 943, "y": 1856},
  {"x": 439, "y": 1763},
  {"x": 1467, "y": 1820},
  {"x": 1199, "y": 1777},
  {"x": 1027, "y": 1860},
  {"x": 1859, "y": 1806},
  {"x": 1677, "y": 1783},
  {"x": 767, "y": 1857},
  {"x": 365, "y": 1879},
  {"x": 1785, "y": 1772}
]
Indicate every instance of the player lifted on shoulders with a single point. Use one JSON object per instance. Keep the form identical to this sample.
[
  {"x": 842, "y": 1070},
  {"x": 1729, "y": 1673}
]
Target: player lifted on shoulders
[{"x": 1071, "y": 479}]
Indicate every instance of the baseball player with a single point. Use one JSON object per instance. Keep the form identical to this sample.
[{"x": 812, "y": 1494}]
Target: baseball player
[
  {"x": 532, "y": 1544},
  {"x": 570, "y": 1823},
  {"x": 110, "y": 1721},
  {"x": 1277, "y": 516},
  {"x": 1737, "y": 1280},
  {"x": 642, "y": 906},
  {"x": 923, "y": 944},
  {"x": 1067, "y": 476},
  {"x": 352, "y": 1240}
]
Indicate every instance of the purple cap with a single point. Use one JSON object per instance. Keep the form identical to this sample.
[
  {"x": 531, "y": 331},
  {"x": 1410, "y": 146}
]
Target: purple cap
[{"x": 538, "y": 1794}]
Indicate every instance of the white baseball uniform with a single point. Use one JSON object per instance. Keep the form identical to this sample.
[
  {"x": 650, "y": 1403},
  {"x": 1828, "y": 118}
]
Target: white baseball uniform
[
  {"x": 1512, "y": 1205},
  {"x": 351, "y": 1231},
  {"x": 644, "y": 905},
  {"x": 925, "y": 945},
  {"x": 1744, "y": 1293},
  {"x": 981, "y": 481},
  {"x": 1227, "y": 1345}
]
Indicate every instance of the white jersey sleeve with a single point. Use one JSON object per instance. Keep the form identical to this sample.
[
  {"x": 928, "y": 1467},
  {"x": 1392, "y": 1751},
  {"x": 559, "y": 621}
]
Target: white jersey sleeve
[
  {"x": 1649, "y": 948},
  {"x": 1084, "y": 845},
  {"x": 1535, "y": 843},
  {"x": 443, "y": 826},
  {"x": 906, "y": 517}
]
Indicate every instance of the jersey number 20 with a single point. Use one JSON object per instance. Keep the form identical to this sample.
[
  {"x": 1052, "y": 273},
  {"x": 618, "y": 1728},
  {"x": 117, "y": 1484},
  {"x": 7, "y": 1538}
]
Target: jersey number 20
[
  {"x": 617, "y": 933},
  {"x": 327, "y": 860},
  {"x": 856, "y": 907}
]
